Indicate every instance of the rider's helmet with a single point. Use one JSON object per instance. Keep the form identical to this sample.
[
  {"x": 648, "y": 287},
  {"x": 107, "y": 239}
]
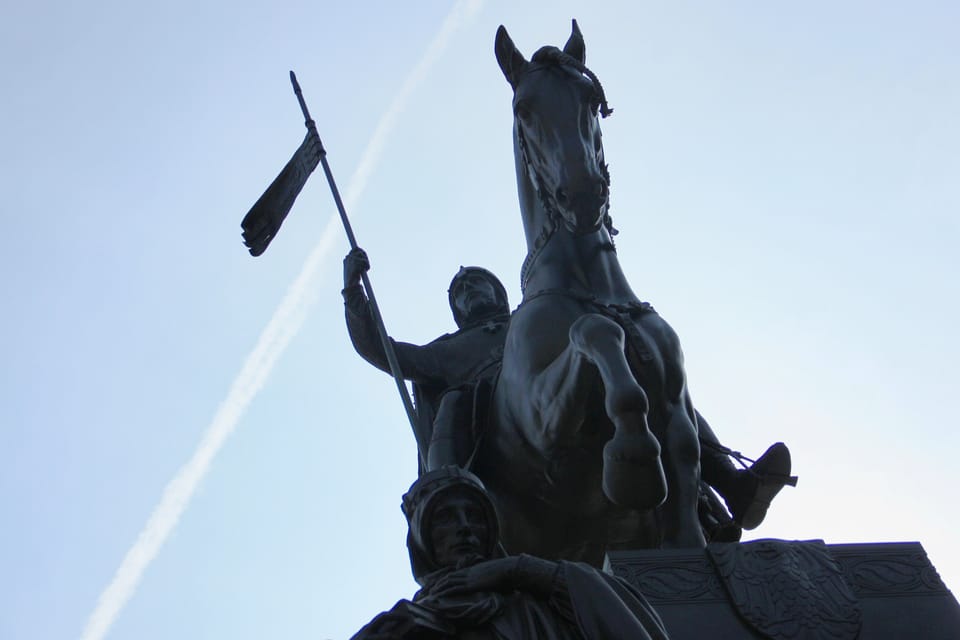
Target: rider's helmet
[{"x": 465, "y": 275}]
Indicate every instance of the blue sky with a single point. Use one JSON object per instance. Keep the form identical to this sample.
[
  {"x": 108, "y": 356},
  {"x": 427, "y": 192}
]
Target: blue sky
[{"x": 785, "y": 184}]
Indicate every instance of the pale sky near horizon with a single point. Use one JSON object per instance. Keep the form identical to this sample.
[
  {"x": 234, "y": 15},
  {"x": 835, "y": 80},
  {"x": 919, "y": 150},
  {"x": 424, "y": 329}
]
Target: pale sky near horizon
[{"x": 785, "y": 180}]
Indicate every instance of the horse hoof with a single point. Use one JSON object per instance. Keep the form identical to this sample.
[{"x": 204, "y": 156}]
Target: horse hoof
[{"x": 633, "y": 473}]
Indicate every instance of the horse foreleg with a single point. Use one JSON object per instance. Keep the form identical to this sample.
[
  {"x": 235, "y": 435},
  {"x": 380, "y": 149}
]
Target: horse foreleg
[
  {"x": 681, "y": 460},
  {"x": 632, "y": 471},
  {"x": 558, "y": 398}
]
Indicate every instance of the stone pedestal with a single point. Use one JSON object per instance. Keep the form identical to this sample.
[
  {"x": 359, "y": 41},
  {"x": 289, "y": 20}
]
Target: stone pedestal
[{"x": 769, "y": 589}]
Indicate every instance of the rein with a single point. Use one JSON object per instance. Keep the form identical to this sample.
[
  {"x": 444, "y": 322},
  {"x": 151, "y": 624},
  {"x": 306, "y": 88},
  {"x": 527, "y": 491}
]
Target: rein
[
  {"x": 552, "y": 223},
  {"x": 621, "y": 313},
  {"x": 589, "y": 298}
]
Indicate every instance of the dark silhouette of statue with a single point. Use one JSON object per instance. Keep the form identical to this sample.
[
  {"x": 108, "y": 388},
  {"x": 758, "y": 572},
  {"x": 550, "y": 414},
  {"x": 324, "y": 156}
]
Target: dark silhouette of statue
[
  {"x": 470, "y": 589},
  {"x": 453, "y": 376},
  {"x": 574, "y": 409}
]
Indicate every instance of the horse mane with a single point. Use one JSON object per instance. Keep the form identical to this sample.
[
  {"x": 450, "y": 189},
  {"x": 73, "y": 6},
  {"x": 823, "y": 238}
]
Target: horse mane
[{"x": 553, "y": 55}]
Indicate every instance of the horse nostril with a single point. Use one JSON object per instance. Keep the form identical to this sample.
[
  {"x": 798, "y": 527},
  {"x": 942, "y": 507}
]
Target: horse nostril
[{"x": 561, "y": 195}]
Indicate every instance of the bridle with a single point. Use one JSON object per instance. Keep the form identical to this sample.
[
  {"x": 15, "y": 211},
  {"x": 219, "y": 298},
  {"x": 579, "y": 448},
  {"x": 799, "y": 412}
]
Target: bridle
[{"x": 554, "y": 221}]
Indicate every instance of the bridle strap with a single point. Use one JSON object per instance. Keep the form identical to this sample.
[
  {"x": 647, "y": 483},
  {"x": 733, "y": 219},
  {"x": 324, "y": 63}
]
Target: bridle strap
[{"x": 552, "y": 223}]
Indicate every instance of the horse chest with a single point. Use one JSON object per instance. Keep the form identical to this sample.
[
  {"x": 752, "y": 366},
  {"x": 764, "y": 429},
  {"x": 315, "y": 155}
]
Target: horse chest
[{"x": 655, "y": 355}]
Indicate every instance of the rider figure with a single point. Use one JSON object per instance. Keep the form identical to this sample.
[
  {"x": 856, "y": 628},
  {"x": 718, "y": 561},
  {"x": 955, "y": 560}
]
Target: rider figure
[{"x": 453, "y": 377}]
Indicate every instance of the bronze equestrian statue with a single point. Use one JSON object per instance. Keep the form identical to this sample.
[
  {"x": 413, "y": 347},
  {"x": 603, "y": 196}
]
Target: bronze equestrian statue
[
  {"x": 590, "y": 439},
  {"x": 594, "y": 441}
]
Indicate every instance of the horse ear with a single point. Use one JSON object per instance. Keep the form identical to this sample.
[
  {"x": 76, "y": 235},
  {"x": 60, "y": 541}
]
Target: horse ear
[
  {"x": 511, "y": 61},
  {"x": 575, "y": 48}
]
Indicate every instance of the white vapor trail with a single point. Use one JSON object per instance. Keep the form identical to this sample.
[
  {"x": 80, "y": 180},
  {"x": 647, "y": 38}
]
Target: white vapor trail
[{"x": 283, "y": 326}]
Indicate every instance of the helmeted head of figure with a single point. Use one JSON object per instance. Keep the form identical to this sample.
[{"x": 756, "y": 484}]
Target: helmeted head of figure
[
  {"x": 476, "y": 294},
  {"x": 452, "y": 521}
]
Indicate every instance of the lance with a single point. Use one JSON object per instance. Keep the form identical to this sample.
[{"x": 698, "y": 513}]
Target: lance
[{"x": 267, "y": 214}]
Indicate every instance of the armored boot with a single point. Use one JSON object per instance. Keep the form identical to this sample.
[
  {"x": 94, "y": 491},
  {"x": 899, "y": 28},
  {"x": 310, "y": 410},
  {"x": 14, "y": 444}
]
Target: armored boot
[
  {"x": 452, "y": 439},
  {"x": 747, "y": 492}
]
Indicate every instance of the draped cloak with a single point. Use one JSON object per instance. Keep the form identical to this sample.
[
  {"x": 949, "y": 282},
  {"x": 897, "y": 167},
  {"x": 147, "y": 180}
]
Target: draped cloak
[{"x": 575, "y": 602}]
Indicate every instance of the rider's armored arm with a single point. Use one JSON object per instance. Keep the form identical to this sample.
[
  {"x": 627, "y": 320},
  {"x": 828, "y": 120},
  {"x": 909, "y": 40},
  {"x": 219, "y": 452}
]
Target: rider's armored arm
[{"x": 417, "y": 363}]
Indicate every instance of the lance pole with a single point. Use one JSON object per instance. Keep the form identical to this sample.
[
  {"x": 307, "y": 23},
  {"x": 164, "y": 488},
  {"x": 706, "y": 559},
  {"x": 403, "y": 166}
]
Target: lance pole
[{"x": 374, "y": 308}]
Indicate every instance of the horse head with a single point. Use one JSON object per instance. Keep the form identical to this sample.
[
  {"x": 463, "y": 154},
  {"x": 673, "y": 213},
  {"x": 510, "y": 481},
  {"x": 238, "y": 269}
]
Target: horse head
[{"x": 556, "y": 104}]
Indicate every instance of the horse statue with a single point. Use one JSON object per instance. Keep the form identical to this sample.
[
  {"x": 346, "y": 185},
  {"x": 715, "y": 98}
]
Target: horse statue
[{"x": 592, "y": 440}]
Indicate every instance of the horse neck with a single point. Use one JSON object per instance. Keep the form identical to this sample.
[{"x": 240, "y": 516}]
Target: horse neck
[{"x": 584, "y": 264}]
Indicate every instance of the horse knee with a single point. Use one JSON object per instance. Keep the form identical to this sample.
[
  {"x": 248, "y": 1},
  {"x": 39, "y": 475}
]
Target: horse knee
[
  {"x": 628, "y": 400},
  {"x": 601, "y": 341},
  {"x": 592, "y": 331}
]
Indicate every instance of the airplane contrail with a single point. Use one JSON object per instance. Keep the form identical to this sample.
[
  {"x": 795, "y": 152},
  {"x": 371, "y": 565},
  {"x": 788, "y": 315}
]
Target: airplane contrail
[{"x": 273, "y": 341}]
